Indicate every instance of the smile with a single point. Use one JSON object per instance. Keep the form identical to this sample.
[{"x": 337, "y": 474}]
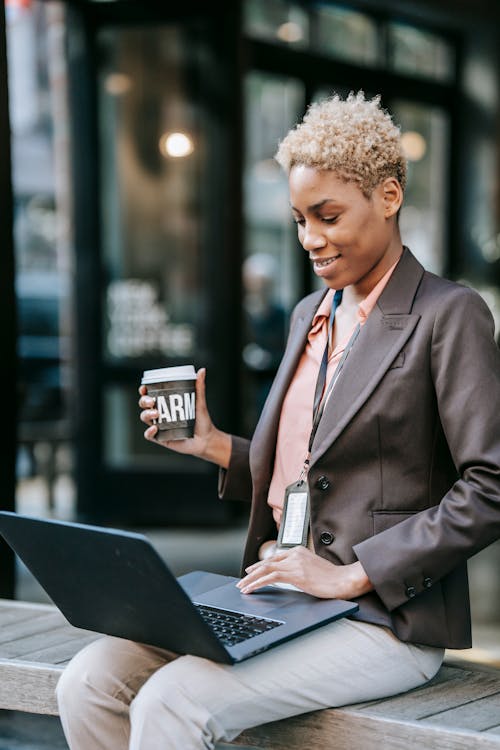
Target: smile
[{"x": 326, "y": 262}]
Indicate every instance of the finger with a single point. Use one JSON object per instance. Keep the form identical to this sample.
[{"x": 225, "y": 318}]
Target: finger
[
  {"x": 201, "y": 400},
  {"x": 179, "y": 446},
  {"x": 147, "y": 402},
  {"x": 266, "y": 580},
  {"x": 277, "y": 557},
  {"x": 253, "y": 575},
  {"x": 142, "y": 390},
  {"x": 263, "y": 569},
  {"x": 257, "y": 565},
  {"x": 148, "y": 416},
  {"x": 282, "y": 564},
  {"x": 150, "y": 433}
]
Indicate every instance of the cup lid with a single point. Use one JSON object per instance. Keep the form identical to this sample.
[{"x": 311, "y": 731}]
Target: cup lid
[{"x": 183, "y": 372}]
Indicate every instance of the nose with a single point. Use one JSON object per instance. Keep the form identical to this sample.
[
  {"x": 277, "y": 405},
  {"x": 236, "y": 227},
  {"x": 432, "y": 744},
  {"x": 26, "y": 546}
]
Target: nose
[{"x": 312, "y": 238}]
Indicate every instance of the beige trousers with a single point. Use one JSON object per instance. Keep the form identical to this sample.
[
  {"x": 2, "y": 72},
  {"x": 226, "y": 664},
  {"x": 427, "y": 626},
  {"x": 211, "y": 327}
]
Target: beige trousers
[{"x": 119, "y": 695}]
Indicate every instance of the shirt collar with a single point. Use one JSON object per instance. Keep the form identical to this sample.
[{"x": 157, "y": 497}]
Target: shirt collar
[
  {"x": 364, "y": 307},
  {"x": 323, "y": 311}
]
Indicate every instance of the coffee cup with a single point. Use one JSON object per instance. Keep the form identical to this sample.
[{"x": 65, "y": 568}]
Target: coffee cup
[{"x": 173, "y": 389}]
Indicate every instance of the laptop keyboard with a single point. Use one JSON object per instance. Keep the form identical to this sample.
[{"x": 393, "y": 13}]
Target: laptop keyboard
[{"x": 234, "y": 627}]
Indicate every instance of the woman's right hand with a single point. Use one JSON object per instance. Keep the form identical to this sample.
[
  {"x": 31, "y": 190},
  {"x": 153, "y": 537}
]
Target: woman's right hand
[{"x": 208, "y": 442}]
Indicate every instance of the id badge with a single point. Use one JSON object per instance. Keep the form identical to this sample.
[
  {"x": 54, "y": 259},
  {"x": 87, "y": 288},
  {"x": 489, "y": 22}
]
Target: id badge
[{"x": 294, "y": 526}]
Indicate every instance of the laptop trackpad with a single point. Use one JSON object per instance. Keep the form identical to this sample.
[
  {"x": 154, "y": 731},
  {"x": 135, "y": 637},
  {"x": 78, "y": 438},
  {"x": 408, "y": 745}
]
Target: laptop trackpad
[{"x": 262, "y": 602}]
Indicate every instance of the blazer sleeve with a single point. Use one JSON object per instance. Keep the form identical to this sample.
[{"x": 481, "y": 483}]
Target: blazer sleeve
[
  {"x": 408, "y": 558},
  {"x": 235, "y": 482}
]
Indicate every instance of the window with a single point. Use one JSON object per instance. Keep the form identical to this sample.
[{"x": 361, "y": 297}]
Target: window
[
  {"x": 271, "y": 269},
  {"x": 338, "y": 31},
  {"x": 152, "y": 147},
  {"x": 346, "y": 34},
  {"x": 418, "y": 52},
  {"x": 425, "y": 135},
  {"x": 277, "y": 21},
  {"x": 42, "y": 242}
]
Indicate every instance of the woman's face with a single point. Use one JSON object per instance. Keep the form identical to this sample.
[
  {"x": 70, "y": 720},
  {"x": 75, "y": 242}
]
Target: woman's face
[{"x": 350, "y": 239}]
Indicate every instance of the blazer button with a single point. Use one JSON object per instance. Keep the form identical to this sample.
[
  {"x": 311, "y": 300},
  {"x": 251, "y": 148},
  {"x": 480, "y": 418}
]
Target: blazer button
[
  {"x": 326, "y": 537},
  {"x": 322, "y": 483},
  {"x": 411, "y": 592},
  {"x": 427, "y": 583}
]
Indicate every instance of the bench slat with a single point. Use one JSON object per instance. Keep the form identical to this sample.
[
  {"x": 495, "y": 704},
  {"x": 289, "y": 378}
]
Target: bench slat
[
  {"x": 479, "y": 714},
  {"x": 445, "y": 674},
  {"x": 462, "y": 686},
  {"x": 340, "y": 729},
  {"x": 26, "y": 648},
  {"x": 59, "y": 655},
  {"x": 9, "y": 616},
  {"x": 28, "y": 687},
  {"x": 493, "y": 730},
  {"x": 37, "y": 624}
]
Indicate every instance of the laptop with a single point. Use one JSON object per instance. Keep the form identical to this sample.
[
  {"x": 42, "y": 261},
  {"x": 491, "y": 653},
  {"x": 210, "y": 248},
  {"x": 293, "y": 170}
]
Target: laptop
[{"x": 114, "y": 582}]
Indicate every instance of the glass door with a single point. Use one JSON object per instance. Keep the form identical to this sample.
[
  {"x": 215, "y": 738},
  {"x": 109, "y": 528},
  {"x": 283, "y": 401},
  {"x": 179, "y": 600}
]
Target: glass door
[
  {"x": 272, "y": 266},
  {"x": 153, "y": 176},
  {"x": 161, "y": 288},
  {"x": 426, "y": 136}
]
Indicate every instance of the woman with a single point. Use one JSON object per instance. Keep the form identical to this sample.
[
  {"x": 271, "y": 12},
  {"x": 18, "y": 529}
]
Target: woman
[{"x": 385, "y": 406}]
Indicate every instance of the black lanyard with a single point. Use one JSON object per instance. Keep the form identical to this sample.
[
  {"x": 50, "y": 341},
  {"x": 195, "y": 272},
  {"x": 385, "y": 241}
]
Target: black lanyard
[{"x": 319, "y": 399}]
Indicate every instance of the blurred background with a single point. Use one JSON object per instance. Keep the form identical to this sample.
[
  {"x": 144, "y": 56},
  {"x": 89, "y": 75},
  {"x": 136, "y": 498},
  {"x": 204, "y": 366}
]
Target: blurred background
[{"x": 145, "y": 224}]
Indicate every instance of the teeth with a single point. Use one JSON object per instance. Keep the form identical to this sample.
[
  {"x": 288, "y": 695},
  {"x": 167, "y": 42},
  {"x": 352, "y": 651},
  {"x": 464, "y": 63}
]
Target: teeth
[{"x": 326, "y": 262}]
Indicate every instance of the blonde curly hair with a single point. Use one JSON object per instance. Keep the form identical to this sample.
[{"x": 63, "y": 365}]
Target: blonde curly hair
[{"x": 354, "y": 137}]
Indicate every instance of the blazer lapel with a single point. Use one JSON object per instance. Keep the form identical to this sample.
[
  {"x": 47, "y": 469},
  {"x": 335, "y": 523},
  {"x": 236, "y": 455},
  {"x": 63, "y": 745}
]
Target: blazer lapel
[
  {"x": 263, "y": 444},
  {"x": 388, "y": 328}
]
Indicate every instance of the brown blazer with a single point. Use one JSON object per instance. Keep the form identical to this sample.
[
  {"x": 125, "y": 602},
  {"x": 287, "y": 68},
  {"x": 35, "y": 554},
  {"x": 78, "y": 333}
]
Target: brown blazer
[{"x": 405, "y": 467}]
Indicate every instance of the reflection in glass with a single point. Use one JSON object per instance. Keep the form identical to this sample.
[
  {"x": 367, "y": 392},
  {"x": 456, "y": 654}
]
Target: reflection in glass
[
  {"x": 35, "y": 35},
  {"x": 425, "y": 134},
  {"x": 271, "y": 271},
  {"x": 346, "y": 34},
  {"x": 138, "y": 323},
  {"x": 419, "y": 52},
  {"x": 264, "y": 321},
  {"x": 154, "y": 183},
  {"x": 152, "y": 168},
  {"x": 277, "y": 21}
]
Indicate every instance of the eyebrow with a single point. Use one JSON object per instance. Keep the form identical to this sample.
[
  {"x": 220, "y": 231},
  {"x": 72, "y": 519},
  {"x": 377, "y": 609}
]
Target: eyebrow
[{"x": 315, "y": 206}]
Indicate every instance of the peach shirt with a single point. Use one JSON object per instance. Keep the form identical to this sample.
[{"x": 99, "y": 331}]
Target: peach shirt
[{"x": 296, "y": 413}]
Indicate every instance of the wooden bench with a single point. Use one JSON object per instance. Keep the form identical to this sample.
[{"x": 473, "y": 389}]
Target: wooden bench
[{"x": 459, "y": 709}]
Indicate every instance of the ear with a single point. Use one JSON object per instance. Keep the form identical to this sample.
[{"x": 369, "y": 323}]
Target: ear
[{"x": 392, "y": 196}]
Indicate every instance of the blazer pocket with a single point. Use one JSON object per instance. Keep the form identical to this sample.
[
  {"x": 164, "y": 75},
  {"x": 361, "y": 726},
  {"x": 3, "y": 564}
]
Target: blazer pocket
[
  {"x": 386, "y": 519},
  {"x": 398, "y": 362}
]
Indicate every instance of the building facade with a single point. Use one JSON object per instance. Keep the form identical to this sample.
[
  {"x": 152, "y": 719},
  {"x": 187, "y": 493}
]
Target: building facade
[{"x": 151, "y": 225}]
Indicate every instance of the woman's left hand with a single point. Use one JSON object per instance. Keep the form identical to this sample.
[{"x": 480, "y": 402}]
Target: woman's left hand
[{"x": 308, "y": 572}]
